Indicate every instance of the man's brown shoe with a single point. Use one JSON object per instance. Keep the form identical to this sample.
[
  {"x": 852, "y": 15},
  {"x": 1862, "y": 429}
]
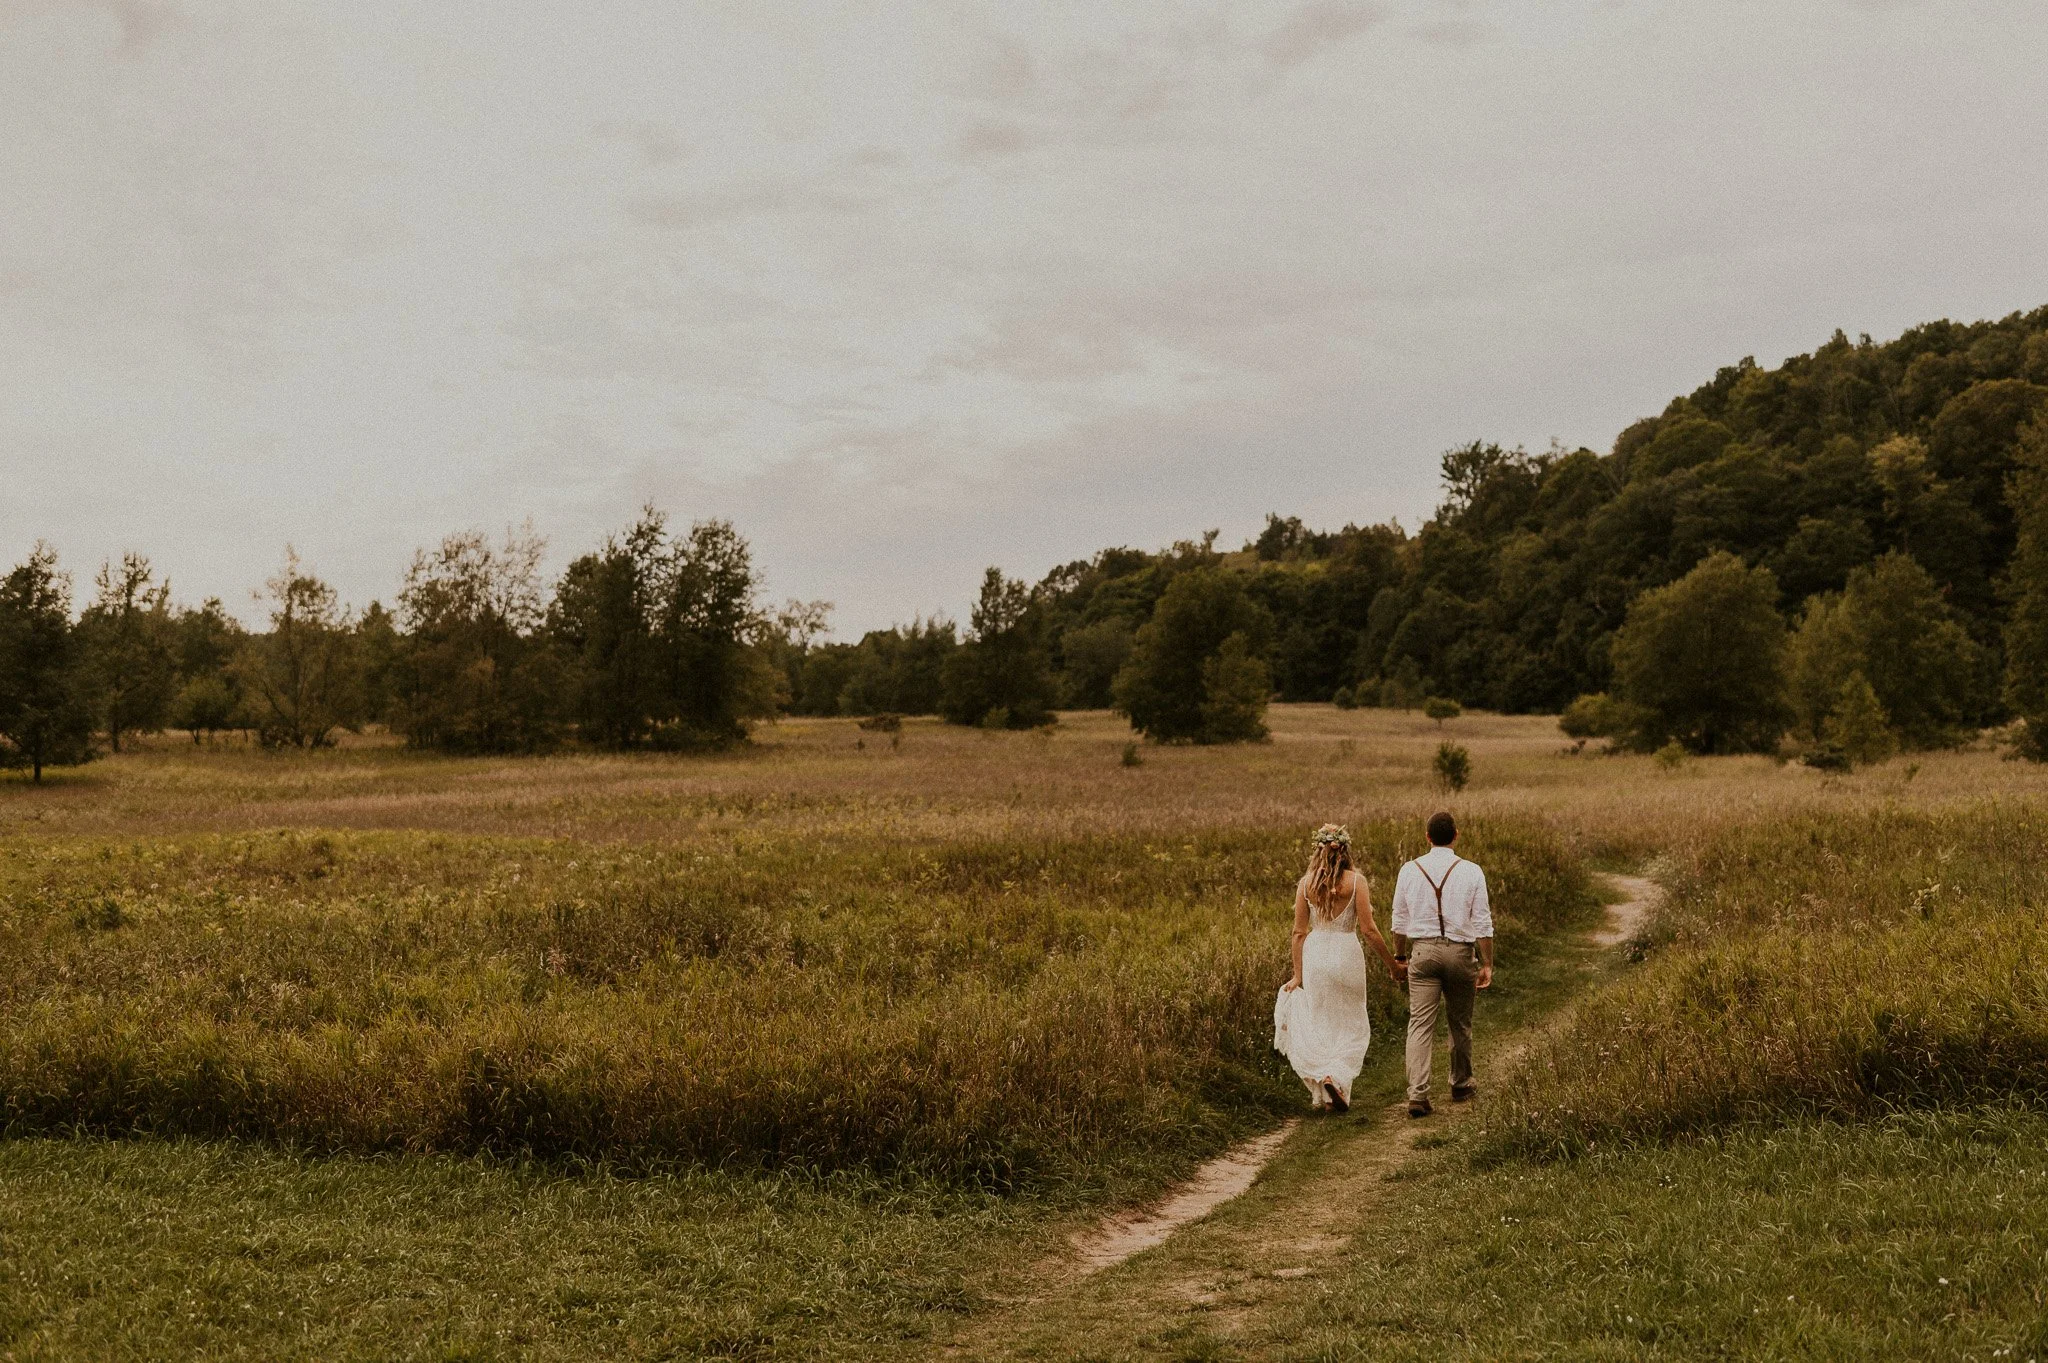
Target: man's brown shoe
[
  {"x": 1465, "y": 1094},
  {"x": 1421, "y": 1109}
]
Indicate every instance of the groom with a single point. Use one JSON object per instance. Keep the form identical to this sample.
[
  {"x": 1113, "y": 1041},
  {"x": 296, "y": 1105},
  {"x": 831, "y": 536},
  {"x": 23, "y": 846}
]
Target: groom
[{"x": 1443, "y": 936}]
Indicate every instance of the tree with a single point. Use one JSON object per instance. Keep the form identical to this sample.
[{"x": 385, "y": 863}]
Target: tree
[
  {"x": 1441, "y": 708},
  {"x": 1163, "y": 688},
  {"x": 205, "y": 706},
  {"x": 1003, "y": 666},
  {"x": 2025, "y": 589},
  {"x": 1452, "y": 765},
  {"x": 1235, "y": 687},
  {"x": 205, "y": 641},
  {"x": 129, "y": 641},
  {"x": 1926, "y": 671},
  {"x": 658, "y": 633},
  {"x": 46, "y": 702},
  {"x": 1858, "y": 725},
  {"x": 1704, "y": 659},
  {"x": 469, "y": 674},
  {"x": 1822, "y": 655},
  {"x": 302, "y": 678}
]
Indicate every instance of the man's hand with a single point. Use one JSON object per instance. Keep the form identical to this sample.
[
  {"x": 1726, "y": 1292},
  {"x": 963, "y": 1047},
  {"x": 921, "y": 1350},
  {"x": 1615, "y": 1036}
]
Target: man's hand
[
  {"x": 1485, "y": 977},
  {"x": 1400, "y": 970}
]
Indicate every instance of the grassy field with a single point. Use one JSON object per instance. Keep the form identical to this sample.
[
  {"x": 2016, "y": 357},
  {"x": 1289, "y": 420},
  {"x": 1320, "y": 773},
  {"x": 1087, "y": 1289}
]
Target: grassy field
[{"x": 815, "y": 1048}]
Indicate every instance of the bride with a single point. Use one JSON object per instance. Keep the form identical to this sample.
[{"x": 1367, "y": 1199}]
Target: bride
[{"x": 1319, "y": 1020}]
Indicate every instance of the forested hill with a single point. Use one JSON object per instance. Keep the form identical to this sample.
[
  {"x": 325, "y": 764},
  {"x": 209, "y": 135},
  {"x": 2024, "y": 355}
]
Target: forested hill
[{"x": 1509, "y": 597}]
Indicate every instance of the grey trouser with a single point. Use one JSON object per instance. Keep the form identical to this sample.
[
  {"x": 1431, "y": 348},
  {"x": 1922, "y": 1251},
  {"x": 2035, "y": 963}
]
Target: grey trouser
[{"x": 1441, "y": 977}]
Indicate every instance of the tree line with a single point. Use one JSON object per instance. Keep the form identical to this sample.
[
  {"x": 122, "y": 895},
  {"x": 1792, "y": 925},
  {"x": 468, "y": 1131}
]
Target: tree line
[
  {"x": 1851, "y": 548},
  {"x": 652, "y": 641},
  {"x": 1882, "y": 501}
]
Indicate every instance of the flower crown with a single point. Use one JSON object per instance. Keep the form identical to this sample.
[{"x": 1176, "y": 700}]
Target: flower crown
[{"x": 1333, "y": 835}]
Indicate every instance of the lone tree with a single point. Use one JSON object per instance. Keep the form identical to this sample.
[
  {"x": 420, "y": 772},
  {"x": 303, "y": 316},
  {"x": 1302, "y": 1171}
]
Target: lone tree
[
  {"x": 46, "y": 710},
  {"x": 1704, "y": 659},
  {"x": 129, "y": 641},
  {"x": 1441, "y": 708},
  {"x": 1194, "y": 673}
]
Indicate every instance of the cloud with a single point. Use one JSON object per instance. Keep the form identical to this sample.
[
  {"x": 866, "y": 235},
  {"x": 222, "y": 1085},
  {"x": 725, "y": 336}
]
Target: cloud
[
  {"x": 1318, "y": 25},
  {"x": 987, "y": 140},
  {"x": 1453, "y": 33},
  {"x": 657, "y": 143}
]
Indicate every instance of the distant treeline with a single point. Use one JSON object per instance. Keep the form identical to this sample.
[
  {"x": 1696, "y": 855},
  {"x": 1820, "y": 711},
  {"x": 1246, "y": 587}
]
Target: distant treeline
[
  {"x": 1859, "y": 472},
  {"x": 1853, "y": 545}
]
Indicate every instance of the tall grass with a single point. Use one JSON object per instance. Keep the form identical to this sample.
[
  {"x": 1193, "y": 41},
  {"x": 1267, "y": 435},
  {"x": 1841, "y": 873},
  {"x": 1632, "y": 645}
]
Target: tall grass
[
  {"x": 1826, "y": 965},
  {"x": 994, "y": 1013}
]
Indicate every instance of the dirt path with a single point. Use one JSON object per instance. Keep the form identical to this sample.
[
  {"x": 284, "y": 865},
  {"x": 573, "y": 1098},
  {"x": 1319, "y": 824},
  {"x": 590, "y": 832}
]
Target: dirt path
[{"x": 1225, "y": 1267}]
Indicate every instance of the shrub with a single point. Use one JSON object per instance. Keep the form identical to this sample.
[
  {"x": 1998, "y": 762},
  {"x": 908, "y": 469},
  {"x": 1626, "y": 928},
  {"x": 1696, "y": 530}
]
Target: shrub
[
  {"x": 1452, "y": 765},
  {"x": 1596, "y": 716},
  {"x": 1345, "y": 699},
  {"x": 1132, "y": 757},
  {"x": 1671, "y": 756}
]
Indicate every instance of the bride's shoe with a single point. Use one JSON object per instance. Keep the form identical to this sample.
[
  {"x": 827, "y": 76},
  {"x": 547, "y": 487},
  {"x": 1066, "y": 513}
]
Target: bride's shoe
[{"x": 1338, "y": 1104}]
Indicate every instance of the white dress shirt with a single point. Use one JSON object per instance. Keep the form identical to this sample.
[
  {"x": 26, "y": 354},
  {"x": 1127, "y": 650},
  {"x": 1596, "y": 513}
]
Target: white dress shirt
[{"x": 1467, "y": 913}]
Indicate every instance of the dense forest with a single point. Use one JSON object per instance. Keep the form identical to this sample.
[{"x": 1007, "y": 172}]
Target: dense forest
[{"x": 1852, "y": 547}]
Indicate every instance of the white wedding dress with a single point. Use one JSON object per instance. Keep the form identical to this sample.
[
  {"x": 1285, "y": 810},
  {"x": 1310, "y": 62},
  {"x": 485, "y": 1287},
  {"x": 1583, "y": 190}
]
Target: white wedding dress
[{"x": 1322, "y": 1027}]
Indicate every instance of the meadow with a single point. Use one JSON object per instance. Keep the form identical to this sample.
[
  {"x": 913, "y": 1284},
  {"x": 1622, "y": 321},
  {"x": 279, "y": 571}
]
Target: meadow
[{"x": 816, "y": 1047}]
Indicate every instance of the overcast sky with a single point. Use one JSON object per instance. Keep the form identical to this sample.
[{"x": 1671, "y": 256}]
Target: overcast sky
[{"x": 905, "y": 290}]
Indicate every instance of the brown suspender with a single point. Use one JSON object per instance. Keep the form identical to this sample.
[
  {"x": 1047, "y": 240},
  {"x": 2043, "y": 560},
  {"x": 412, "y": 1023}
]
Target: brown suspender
[{"x": 1438, "y": 887}]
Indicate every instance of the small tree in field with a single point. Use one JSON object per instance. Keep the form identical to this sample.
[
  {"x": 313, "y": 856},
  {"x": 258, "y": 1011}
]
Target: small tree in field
[
  {"x": 1704, "y": 659},
  {"x": 46, "y": 711},
  {"x": 1441, "y": 708},
  {"x": 1858, "y": 726},
  {"x": 1453, "y": 766}
]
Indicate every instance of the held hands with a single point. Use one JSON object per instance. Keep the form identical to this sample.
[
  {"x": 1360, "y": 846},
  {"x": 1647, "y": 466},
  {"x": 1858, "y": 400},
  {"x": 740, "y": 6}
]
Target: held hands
[{"x": 1399, "y": 970}]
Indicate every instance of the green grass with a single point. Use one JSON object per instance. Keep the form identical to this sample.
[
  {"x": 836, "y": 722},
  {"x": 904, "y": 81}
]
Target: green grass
[
  {"x": 184, "y": 1249},
  {"x": 1843, "y": 966},
  {"x": 1917, "y": 1237}
]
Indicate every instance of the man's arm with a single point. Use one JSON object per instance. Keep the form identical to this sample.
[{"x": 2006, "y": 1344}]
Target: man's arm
[
  {"x": 1482, "y": 927},
  {"x": 1397, "y": 921}
]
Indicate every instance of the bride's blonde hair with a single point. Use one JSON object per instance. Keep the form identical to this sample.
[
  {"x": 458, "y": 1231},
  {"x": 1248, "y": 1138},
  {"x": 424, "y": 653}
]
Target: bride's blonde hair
[{"x": 1327, "y": 865}]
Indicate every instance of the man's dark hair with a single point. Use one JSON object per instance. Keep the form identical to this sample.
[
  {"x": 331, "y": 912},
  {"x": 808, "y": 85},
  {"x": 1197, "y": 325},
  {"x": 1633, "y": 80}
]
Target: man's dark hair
[{"x": 1442, "y": 828}]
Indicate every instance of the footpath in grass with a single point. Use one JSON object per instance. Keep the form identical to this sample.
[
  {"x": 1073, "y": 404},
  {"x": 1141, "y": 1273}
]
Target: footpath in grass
[
  {"x": 1206, "y": 1291},
  {"x": 1918, "y": 1235}
]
